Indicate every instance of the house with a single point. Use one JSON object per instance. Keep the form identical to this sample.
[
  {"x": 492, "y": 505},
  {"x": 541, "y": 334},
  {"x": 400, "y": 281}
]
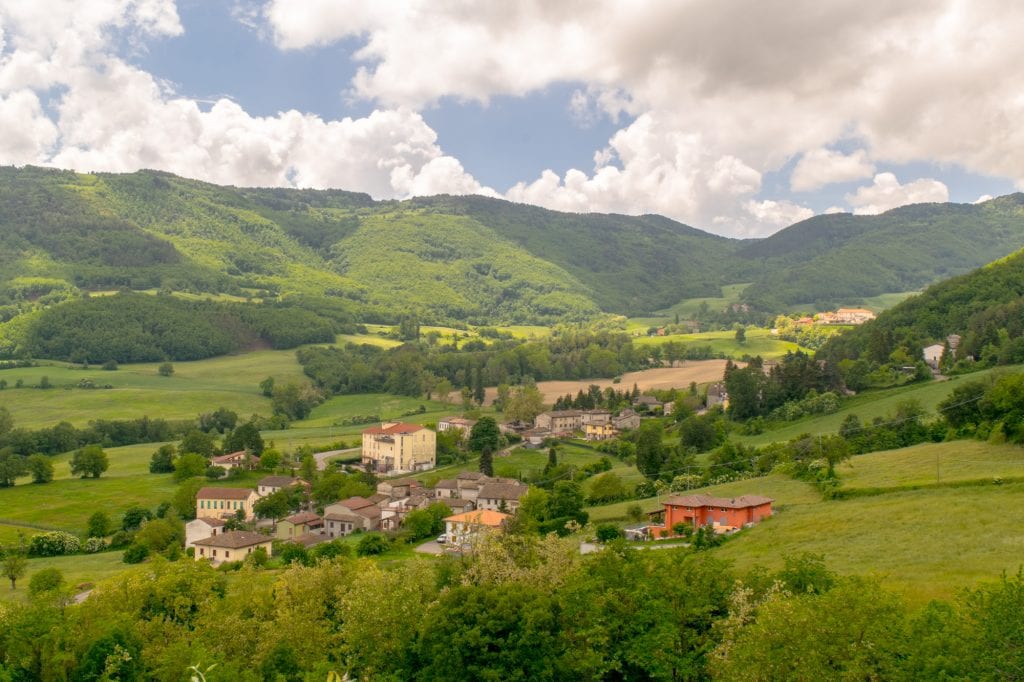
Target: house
[
  {"x": 234, "y": 460},
  {"x": 627, "y": 419},
  {"x": 599, "y": 431},
  {"x": 596, "y": 417},
  {"x": 202, "y": 528},
  {"x": 705, "y": 510},
  {"x": 271, "y": 484},
  {"x": 648, "y": 401},
  {"x": 399, "y": 487},
  {"x": 559, "y": 421},
  {"x": 501, "y": 495},
  {"x": 446, "y": 488},
  {"x": 452, "y": 423},
  {"x": 462, "y": 529},
  {"x": 295, "y": 525},
  {"x": 954, "y": 342},
  {"x": 853, "y": 316},
  {"x": 225, "y": 503},
  {"x": 933, "y": 354},
  {"x": 534, "y": 438},
  {"x": 716, "y": 395},
  {"x": 341, "y": 522},
  {"x": 234, "y": 545},
  {"x": 458, "y": 505},
  {"x": 512, "y": 428},
  {"x": 394, "y": 447}
]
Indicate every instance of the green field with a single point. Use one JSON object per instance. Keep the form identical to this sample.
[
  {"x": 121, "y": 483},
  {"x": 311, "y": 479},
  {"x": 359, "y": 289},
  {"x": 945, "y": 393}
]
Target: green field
[
  {"x": 933, "y": 463},
  {"x": 688, "y": 308},
  {"x": 870, "y": 404},
  {"x": 138, "y": 390},
  {"x": 78, "y": 570},
  {"x": 758, "y": 342}
]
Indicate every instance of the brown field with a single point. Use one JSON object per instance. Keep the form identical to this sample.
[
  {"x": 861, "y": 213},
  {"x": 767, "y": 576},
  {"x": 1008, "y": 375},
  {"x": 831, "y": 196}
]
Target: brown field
[{"x": 701, "y": 371}]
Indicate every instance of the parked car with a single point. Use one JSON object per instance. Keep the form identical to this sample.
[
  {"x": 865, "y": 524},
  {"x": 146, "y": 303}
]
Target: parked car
[{"x": 442, "y": 538}]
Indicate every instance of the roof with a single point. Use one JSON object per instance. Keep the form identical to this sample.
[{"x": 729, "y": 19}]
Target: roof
[
  {"x": 234, "y": 539},
  {"x": 343, "y": 516},
  {"x": 480, "y": 517},
  {"x": 369, "y": 512},
  {"x": 446, "y": 483},
  {"x": 855, "y": 310},
  {"x": 377, "y": 498},
  {"x": 224, "y": 493},
  {"x": 279, "y": 481},
  {"x": 742, "y": 502},
  {"x": 230, "y": 457},
  {"x": 356, "y": 502},
  {"x": 395, "y": 428},
  {"x": 210, "y": 521},
  {"x": 647, "y": 400},
  {"x": 563, "y": 413},
  {"x": 303, "y": 518},
  {"x": 470, "y": 475},
  {"x": 502, "y": 491}
]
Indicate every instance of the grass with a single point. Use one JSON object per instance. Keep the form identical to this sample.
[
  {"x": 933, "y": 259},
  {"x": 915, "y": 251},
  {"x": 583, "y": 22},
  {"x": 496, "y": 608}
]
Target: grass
[
  {"x": 933, "y": 463},
  {"x": 758, "y": 342},
  {"x": 687, "y": 308},
  {"x": 138, "y": 390},
  {"x": 77, "y": 570},
  {"x": 868, "y": 405},
  {"x": 926, "y": 543},
  {"x": 387, "y": 406}
]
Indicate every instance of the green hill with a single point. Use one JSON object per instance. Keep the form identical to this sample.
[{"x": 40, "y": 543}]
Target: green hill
[
  {"x": 447, "y": 259},
  {"x": 841, "y": 259}
]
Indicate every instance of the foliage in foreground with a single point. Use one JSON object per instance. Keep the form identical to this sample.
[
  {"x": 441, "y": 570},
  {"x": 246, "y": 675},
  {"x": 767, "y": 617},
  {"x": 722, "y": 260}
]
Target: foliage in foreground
[{"x": 520, "y": 608}]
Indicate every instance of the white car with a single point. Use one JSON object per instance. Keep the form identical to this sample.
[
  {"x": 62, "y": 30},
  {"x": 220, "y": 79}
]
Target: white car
[{"x": 441, "y": 539}]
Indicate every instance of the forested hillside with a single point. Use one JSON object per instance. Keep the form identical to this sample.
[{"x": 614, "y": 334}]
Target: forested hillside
[
  {"x": 985, "y": 308},
  {"x": 838, "y": 259},
  {"x": 446, "y": 259}
]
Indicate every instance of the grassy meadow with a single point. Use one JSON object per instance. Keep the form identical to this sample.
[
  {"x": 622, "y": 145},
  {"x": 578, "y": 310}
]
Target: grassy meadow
[
  {"x": 79, "y": 570},
  {"x": 758, "y": 342}
]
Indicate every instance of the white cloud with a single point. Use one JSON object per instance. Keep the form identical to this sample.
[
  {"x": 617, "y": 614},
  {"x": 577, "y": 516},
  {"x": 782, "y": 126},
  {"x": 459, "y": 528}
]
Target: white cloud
[
  {"x": 27, "y": 133},
  {"x": 777, "y": 214},
  {"x": 983, "y": 198},
  {"x": 835, "y": 209},
  {"x": 886, "y": 192},
  {"x": 820, "y": 167},
  {"x": 911, "y": 80}
]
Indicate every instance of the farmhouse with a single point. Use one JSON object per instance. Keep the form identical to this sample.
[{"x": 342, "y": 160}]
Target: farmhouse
[
  {"x": 225, "y": 503},
  {"x": 853, "y": 316},
  {"x": 599, "y": 431},
  {"x": 271, "y": 484},
  {"x": 462, "y": 529},
  {"x": 627, "y": 419},
  {"x": 704, "y": 510},
  {"x": 933, "y": 354},
  {"x": 501, "y": 494},
  {"x": 234, "y": 460},
  {"x": 234, "y": 545},
  {"x": 202, "y": 528},
  {"x": 452, "y": 423},
  {"x": 560, "y": 421},
  {"x": 394, "y": 447}
]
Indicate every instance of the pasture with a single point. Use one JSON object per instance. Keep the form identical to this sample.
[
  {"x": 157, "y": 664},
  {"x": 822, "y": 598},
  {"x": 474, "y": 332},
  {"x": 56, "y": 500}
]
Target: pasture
[{"x": 758, "y": 342}]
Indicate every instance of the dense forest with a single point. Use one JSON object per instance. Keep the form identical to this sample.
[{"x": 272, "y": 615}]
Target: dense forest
[
  {"x": 466, "y": 259},
  {"x": 520, "y": 608}
]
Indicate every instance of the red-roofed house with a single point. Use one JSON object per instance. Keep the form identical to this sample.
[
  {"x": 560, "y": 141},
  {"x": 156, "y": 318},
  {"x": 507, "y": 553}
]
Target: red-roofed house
[
  {"x": 704, "y": 510},
  {"x": 399, "y": 448}
]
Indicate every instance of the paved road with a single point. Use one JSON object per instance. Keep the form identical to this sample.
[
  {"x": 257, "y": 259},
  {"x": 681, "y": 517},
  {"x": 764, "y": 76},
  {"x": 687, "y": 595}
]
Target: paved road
[
  {"x": 323, "y": 458},
  {"x": 431, "y": 547}
]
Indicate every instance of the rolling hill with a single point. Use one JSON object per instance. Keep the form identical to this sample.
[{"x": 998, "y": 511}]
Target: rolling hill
[{"x": 466, "y": 259}]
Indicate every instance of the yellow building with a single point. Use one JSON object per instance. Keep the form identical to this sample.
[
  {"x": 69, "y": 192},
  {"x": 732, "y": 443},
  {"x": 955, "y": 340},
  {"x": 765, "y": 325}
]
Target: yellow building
[
  {"x": 224, "y": 503},
  {"x": 234, "y": 545},
  {"x": 600, "y": 431},
  {"x": 399, "y": 448}
]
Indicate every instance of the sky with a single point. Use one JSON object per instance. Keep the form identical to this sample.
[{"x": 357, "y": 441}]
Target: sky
[{"x": 738, "y": 118}]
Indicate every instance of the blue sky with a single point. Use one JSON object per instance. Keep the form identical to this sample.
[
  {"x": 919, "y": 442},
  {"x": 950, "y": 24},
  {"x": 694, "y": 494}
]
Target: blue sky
[{"x": 733, "y": 118}]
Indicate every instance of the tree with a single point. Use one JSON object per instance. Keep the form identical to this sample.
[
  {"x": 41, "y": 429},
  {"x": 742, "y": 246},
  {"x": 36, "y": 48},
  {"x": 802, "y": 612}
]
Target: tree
[
  {"x": 607, "y": 487},
  {"x": 650, "y": 452},
  {"x": 12, "y": 466},
  {"x": 486, "y": 461},
  {"x": 267, "y": 387},
  {"x": 89, "y": 462},
  {"x": 524, "y": 404},
  {"x": 295, "y": 401},
  {"x": 478, "y": 386},
  {"x": 134, "y": 517},
  {"x": 698, "y": 433},
  {"x": 741, "y": 334},
  {"x": 157, "y": 535},
  {"x": 6, "y": 420},
  {"x": 270, "y": 459},
  {"x": 245, "y": 437},
  {"x": 188, "y": 465},
  {"x": 162, "y": 461},
  {"x": 40, "y": 467},
  {"x": 99, "y": 524},
  {"x": 606, "y": 532},
  {"x": 44, "y": 581},
  {"x": 485, "y": 433},
  {"x": 308, "y": 468},
  {"x": 198, "y": 442},
  {"x": 566, "y": 501},
  {"x": 443, "y": 389},
  {"x": 165, "y": 369},
  {"x": 372, "y": 544},
  {"x": 14, "y": 563},
  {"x": 552, "y": 459}
]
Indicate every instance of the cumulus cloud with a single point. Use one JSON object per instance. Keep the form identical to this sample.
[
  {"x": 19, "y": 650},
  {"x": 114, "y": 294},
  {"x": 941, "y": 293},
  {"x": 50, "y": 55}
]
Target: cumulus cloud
[
  {"x": 820, "y": 167},
  {"x": 777, "y": 214},
  {"x": 886, "y": 192},
  {"x": 911, "y": 80}
]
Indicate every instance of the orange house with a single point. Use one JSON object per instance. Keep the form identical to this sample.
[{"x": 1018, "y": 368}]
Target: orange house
[{"x": 704, "y": 510}]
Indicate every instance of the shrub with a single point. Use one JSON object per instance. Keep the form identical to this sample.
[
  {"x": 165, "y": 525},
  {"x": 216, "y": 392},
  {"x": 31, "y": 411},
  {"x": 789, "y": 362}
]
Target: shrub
[
  {"x": 292, "y": 552},
  {"x": 330, "y": 550},
  {"x": 94, "y": 545},
  {"x": 121, "y": 538},
  {"x": 55, "y": 543},
  {"x": 372, "y": 544},
  {"x": 606, "y": 532},
  {"x": 134, "y": 517},
  {"x": 135, "y": 554},
  {"x": 45, "y": 580}
]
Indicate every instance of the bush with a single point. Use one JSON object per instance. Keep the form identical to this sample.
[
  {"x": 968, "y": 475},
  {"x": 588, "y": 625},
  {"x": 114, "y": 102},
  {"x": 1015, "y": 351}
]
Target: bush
[
  {"x": 135, "y": 554},
  {"x": 134, "y": 517},
  {"x": 45, "y": 580},
  {"x": 372, "y": 544},
  {"x": 606, "y": 532},
  {"x": 94, "y": 545},
  {"x": 121, "y": 538},
  {"x": 332, "y": 549},
  {"x": 55, "y": 543}
]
